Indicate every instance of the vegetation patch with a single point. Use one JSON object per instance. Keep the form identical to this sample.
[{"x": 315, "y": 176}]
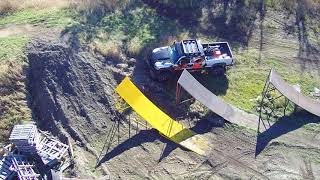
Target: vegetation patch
[
  {"x": 13, "y": 99},
  {"x": 52, "y": 17},
  {"x": 133, "y": 31},
  {"x": 11, "y": 48}
]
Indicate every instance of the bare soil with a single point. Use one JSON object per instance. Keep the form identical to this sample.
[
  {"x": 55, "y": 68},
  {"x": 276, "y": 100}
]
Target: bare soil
[{"x": 25, "y": 29}]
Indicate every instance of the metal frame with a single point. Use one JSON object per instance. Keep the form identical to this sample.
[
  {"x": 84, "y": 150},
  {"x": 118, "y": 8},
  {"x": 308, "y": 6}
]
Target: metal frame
[
  {"x": 120, "y": 106},
  {"x": 269, "y": 88},
  {"x": 178, "y": 95}
]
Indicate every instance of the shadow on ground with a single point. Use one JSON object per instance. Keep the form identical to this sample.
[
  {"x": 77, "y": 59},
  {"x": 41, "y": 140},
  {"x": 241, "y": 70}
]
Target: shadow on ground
[
  {"x": 305, "y": 16},
  {"x": 283, "y": 126},
  {"x": 201, "y": 127},
  {"x": 232, "y": 20}
]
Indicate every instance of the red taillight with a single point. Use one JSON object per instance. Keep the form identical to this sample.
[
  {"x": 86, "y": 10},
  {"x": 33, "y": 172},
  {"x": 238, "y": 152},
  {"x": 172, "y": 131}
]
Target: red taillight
[{"x": 216, "y": 53}]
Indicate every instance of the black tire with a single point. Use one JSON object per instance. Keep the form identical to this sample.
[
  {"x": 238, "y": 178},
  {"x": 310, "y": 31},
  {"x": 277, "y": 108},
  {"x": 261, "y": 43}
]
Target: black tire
[
  {"x": 164, "y": 76},
  {"x": 153, "y": 74},
  {"x": 218, "y": 70}
]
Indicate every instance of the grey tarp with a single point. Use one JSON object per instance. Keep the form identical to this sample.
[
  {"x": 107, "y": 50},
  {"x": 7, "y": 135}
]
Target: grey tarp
[
  {"x": 294, "y": 96},
  {"x": 215, "y": 104}
]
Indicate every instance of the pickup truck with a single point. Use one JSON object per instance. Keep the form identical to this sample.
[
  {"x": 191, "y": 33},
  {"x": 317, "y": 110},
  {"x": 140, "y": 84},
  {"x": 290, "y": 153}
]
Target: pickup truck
[{"x": 191, "y": 55}]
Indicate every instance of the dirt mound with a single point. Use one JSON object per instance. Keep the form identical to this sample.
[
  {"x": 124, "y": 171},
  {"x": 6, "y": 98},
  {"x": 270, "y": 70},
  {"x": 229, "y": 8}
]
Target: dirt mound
[{"x": 67, "y": 91}]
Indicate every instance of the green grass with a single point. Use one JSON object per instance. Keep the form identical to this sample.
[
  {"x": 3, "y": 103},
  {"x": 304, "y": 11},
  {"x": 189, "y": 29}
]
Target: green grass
[
  {"x": 132, "y": 30},
  {"x": 244, "y": 88},
  {"x": 246, "y": 80},
  {"x": 46, "y": 17},
  {"x": 11, "y": 48}
]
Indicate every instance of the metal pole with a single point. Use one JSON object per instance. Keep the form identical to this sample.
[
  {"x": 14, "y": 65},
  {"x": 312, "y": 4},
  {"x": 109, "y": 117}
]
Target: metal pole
[
  {"x": 118, "y": 131},
  {"x": 178, "y": 90},
  {"x": 129, "y": 125},
  {"x": 266, "y": 86},
  {"x": 137, "y": 127}
]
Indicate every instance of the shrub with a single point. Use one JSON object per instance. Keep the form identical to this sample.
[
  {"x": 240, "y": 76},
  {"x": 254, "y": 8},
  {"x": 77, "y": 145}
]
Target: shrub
[
  {"x": 134, "y": 47},
  {"x": 110, "y": 49}
]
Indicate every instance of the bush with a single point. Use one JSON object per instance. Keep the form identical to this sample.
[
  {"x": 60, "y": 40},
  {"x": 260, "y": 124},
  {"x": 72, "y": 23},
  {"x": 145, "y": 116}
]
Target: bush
[
  {"x": 109, "y": 49},
  {"x": 134, "y": 47}
]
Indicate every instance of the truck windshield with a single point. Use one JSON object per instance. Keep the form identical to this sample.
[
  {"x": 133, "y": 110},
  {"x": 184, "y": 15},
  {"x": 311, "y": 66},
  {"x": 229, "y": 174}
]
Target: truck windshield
[{"x": 174, "y": 53}]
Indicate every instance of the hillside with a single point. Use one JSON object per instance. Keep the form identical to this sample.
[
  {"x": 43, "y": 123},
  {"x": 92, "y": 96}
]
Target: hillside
[{"x": 60, "y": 62}]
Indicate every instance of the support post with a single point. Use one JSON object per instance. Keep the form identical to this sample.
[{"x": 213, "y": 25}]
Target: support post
[
  {"x": 118, "y": 131},
  {"x": 285, "y": 106},
  {"x": 137, "y": 128},
  {"x": 178, "y": 91},
  {"x": 264, "y": 92},
  {"x": 129, "y": 125}
]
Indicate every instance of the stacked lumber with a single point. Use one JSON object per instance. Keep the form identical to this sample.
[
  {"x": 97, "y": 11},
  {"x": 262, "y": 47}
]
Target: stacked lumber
[{"x": 25, "y": 138}]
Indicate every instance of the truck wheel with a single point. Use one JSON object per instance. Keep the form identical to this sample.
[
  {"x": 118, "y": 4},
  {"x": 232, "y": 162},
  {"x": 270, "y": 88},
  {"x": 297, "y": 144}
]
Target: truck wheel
[
  {"x": 218, "y": 70},
  {"x": 153, "y": 74},
  {"x": 164, "y": 76}
]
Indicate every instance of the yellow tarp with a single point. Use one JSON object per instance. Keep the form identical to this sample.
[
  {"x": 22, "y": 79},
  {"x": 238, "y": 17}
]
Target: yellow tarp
[{"x": 159, "y": 120}]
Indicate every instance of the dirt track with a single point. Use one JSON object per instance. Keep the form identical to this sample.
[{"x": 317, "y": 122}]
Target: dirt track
[
  {"x": 72, "y": 95},
  {"x": 11, "y": 30}
]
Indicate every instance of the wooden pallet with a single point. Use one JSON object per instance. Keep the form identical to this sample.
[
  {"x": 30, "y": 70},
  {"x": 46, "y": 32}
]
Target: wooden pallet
[
  {"x": 5, "y": 168},
  {"x": 25, "y": 137},
  {"x": 24, "y": 169},
  {"x": 51, "y": 150}
]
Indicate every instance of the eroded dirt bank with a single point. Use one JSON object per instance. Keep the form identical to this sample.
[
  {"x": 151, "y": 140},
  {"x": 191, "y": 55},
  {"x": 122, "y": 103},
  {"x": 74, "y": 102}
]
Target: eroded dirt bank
[{"x": 67, "y": 91}]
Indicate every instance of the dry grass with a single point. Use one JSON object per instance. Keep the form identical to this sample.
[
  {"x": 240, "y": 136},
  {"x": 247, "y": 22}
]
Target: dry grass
[
  {"x": 42, "y": 4},
  {"x": 9, "y": 6},
  {"x": 98, "y": 8},
  {"x": 168, "y": 40},
  {"x": 13, "y": 100},
  {"x": 134, "y": 47},
  {"x": 109, "y": 49}
]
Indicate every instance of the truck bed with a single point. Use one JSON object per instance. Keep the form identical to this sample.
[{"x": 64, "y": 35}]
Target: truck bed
[{"x": 224, "y": 47}]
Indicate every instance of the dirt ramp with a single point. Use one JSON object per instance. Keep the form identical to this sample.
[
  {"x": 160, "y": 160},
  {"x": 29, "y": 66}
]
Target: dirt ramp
[{"x": 67, "y": 91}]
